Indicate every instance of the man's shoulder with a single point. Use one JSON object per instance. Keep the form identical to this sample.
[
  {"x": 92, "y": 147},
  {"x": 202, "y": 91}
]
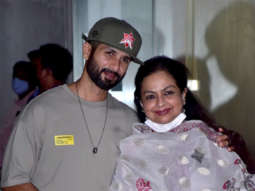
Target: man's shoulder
[
  {"x": 50, "y": 98},
  {"x": 118, "y": 105},
  {"x": 122, "y": 110},
  {"x": 58, "y": 93}
]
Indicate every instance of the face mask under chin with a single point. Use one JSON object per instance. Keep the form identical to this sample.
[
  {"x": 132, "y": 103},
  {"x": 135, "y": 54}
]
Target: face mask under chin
[{"x": 162, "y": 128}]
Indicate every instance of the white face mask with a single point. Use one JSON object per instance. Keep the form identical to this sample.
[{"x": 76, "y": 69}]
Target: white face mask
[{"x": 162, "y": 128}]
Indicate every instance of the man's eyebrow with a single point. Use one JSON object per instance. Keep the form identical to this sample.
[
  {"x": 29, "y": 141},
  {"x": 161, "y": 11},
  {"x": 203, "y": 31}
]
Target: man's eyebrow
[{"x": 110, "y": 49}]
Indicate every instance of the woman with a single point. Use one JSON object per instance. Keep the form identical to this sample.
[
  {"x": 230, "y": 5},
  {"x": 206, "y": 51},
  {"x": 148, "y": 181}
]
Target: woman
[{"x": 174, "y": 149}]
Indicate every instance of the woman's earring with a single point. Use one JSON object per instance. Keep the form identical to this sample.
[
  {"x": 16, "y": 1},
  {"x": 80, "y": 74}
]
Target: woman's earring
[
  {"x": 184, "y": 100},
  {"x": 141, "y": 104}
]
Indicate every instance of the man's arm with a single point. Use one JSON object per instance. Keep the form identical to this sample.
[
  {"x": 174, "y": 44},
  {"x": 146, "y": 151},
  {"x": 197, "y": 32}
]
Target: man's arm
[
  {"x": 235, "y": 142},
  {"x": 21, "y": 187}
]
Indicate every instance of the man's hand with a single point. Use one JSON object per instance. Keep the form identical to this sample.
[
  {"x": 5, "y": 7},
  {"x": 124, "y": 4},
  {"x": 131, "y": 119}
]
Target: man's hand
[
  {"x": 234, "y": 142},
  {"x": 225, "y": 139}
]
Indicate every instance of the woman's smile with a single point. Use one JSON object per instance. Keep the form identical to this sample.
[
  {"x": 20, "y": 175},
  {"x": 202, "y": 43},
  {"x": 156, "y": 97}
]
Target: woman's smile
[{"x": 163, "y": 112}]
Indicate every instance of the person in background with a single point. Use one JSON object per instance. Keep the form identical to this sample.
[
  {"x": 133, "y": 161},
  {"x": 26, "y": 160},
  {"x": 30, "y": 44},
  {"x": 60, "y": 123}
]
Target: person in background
[
  {"x": 175, "y": 146},
  {"x": 49, "y": 66},
  {"x": 23, "y": 79},
  {"x": 53, "y": 65},
  {"x": 24, "y": 85}
]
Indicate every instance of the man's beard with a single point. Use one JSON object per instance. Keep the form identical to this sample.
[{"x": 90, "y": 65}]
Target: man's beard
[{"x": 95, "y": 75}]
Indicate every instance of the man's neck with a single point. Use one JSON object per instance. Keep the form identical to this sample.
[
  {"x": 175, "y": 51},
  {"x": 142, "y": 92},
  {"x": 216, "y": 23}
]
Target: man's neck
[{"x": 88, "y": 90}]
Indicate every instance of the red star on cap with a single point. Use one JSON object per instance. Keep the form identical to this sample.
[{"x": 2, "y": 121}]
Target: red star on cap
[{"x": 128, "y": 40}]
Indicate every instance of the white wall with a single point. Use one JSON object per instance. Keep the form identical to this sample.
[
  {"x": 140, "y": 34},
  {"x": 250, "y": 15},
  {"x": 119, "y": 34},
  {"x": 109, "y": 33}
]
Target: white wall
[
  {"x": 224, "y": 46},
  {"x": 86, "y": 13},
  {"x": 169, "y": 27}
]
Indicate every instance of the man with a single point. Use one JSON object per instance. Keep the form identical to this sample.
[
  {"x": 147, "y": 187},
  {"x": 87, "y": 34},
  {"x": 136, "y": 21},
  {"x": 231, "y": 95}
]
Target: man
[
  {"x": 53, "y": 65},
  {"x": 67, "y": 139}
]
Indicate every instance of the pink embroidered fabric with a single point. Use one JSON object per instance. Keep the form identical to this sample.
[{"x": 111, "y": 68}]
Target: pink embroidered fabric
[{"x": 184, "y": 159}]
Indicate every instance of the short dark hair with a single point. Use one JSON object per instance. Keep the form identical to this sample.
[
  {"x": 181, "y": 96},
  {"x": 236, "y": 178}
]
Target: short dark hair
[
  {"x": 58, "y": 59},
  {"x": 33, "y": 54}
]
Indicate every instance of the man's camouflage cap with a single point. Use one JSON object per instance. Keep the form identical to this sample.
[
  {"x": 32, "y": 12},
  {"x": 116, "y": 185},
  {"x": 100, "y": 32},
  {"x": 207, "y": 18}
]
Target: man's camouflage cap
[{"x": 117, "y": 34}]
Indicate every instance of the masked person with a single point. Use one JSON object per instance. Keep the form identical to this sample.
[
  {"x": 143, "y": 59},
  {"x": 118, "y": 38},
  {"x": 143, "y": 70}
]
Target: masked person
[
  {"x": 53, "y": 65},
  {"x": 175, "y": 148},
  {"x": 24, "y": 85},
  {"x": 24, "y": 79}
]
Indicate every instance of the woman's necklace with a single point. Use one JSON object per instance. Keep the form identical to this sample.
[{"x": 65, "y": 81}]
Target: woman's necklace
[{"x": 94, "y": 146}]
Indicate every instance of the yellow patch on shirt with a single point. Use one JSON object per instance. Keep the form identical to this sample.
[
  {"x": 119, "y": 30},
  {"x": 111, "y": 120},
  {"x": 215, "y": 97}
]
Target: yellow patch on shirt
[{"x": 62, "y": 140}]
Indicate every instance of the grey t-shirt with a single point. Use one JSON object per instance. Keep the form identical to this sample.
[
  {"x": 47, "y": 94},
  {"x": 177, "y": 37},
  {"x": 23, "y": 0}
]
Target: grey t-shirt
[{"x": 50, "y": 147}]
